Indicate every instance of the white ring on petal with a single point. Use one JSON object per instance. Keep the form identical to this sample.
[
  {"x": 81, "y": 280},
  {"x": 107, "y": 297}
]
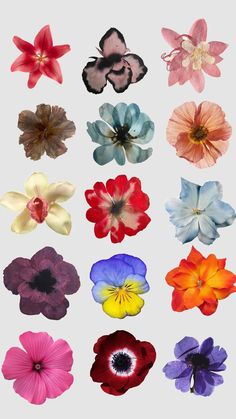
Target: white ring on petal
[{"x": 133, "y": 360}]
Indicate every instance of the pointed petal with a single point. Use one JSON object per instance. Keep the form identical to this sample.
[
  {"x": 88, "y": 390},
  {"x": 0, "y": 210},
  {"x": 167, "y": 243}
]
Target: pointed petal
[
  {"x": 59, "y": 192},
  {"x": 36, "y": 185},
  {"x": 43, "y": 40},
  {"x": 25, "y": 62},
  {"x": 172, "y": 37},
  {"x": 59, "y": 220},
  {"x": 23, "y": 223},
  {"x": 33, "y": 78},
  {"x": 51, "y": 68},
  {"x": 198, "y": 81},
  {"x": 14, "y": 201},
  {"x": 23, "y": 46},
  {"x": 212, "y": 70},
  {"x": 216, "y": 47},
  {"x": 58, "y": 51},
  {"x": 199, "y": 31}
]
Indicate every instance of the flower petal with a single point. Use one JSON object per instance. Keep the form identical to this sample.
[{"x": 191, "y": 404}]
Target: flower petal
[
  {"x": 37, "y": 345},
  {"x": 137, "y": 264},
  {"x": 51, "y": 68},
  {"x": 23, "y": 45},
  {"x": 58, "y": 219},
  {"x": 172, "y": 37},
  {"x": 95, "y": 75},
  {"x": 102, "y": 291},
  {"x": 58, "y": 51},
  {"x": 33, "y": 78},
  {"x": 174, "y": 369},
  {"x": 36, "y": 185},
  {"x": 112, "y": 271},
  {"x": 43, "y": 40},
  {"x": 14, "y": 201},
  {"x": 137, "y": 284},
  {"x": 56, "y": 382},
  {"x": 207, "y": 227},
  {"x": 59, "y": 192},
  {"x": 192, "y": 298},
  {"x": 17, "y": 364},
  {"x": 106, "y": 113},
  {"x": 137, "y": 66},
  {"x": 128, "y": 304},
  {"x": 23, "y": 223},
  {"x": 185, "y": 346},
  {"x": 146, "y": 133},
  {"x": 136, "y": 154},
  {"x": 221, "y": 279},
  {"x": 121, "y": 79},
  {"x": 55, "y": 312},
  {"x": 187, "y": 233},
  {"x": 216, "y": 47},
  {"x": 183, "y": 383},
  {"x": 180, "y": 215},
  {"x": 31, "y": 387},
  {"x": 25, "y": 62},
  {"x": 211, "y": 70},
  {"x": 208, "y": 193},
  {"x": 207, "y": 346},
  {"x": 198, "y": 31},
  {"x": 221, "y": 214},
  {"x": 96, "y": 135},
  {"x": 189, "y": 193},
  {"x": 59, "y": 356},
  {"x": 104, "y": 154},
  {"x": 197, "y": 80},
  {"x": 112, "y": 43}
]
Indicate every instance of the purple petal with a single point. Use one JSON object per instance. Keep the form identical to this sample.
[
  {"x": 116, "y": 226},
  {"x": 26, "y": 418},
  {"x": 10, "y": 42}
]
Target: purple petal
[
  {"x": 174, "y": 369},
  {"x": 183, "y": 383},
  {"x": 137, "y": 264},
  {"x": 185, "y": 346},
  {"x": 11, "y": 276},
  {"x": 67, "y": 277},
  {"x": 56, "y": 313},
  {"x": 29, "y": 307},
  {"x": 95, "y": 75},
  {"x": 206, "y": 346},
  {"x": 47, "y": 253},
  {"x": 199, "y": 383},
  {"x": 137, "y": 66},
  {"x": 112, "y": 43},
  {"x": 212, "y": 378},
  {"x": 53, "y": 298},
  {"x": 217, "y": 358},
  {"x": 121, "y": 79}
]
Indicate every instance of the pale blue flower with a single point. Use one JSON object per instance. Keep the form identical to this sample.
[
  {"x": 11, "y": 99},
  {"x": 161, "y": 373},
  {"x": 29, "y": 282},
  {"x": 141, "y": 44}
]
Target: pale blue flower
[
  {"x": 199, "y": 212},
  {"x": 122, "y": 128}
]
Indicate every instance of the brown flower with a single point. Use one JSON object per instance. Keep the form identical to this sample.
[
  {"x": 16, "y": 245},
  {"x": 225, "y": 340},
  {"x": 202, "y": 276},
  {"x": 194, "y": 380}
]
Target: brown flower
[{"x": 44, "y": 131}]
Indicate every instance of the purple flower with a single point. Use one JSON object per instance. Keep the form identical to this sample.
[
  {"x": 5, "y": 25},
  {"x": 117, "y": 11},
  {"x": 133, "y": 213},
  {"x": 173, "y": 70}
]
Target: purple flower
[
  {"x": 196, "y": 366},
  {"x": 42, "y": 283}
]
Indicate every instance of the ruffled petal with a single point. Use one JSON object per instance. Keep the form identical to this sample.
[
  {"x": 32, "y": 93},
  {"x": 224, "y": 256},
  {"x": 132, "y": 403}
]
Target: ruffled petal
[
  {"x": 58, "y": 219},
  {"x": 14, "y": 201},
  {"x": 137, "y": 66}
]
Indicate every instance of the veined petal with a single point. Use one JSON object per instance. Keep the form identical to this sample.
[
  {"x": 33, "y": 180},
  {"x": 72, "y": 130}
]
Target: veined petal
[
  {"x": 121, "y": 305},
  {"x": 59, "y": 192},
  {"x": 208, "y": 193},
  {"x": 180, "y": 215},
  {"x": 104, "y": 154},
  {"x": 58, "y": 219},
  {"x": 136, "y": 284},
  {"x": 25, "y": 62},
  {"x": 189, "y": 232},
  {"x": 189, "y": 193},
  {"x": 17, "y": 364},
  {"x": 14, "y": 201},
  {"x": 23, "y": 223},
  {"x": 36, "y": 185},
  {"x": 221, "y": 213},
  {"x": 102, "y": 291}
]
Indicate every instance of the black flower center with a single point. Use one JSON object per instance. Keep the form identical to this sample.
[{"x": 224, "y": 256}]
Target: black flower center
[
  {"x": 199, "y": 133},
  {"x": 121, "y": 362},
  {"x": 43, "y": 282},
  {"x": 122, "y": 134},
  {"x": 109, "y": 61},
  {"x": 198, "y": 361},
  {"x": 116, "y": 207}
]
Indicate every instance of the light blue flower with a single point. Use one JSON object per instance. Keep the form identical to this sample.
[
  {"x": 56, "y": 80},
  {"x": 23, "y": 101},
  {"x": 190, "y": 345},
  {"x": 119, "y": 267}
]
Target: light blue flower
[
  {"x": 199, "y": 212},
  {"x": 122, "y": 128}
]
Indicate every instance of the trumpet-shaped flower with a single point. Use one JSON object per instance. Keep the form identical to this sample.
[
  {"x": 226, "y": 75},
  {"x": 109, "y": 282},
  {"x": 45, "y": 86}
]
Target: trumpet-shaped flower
[
  {"x": 124, "y": 127},
  {"x": 199, "y": 212},
  {"x": 200, "y": 282},
  {"x": 117, "y": 283},
  {"x": 40, "y": 203}
]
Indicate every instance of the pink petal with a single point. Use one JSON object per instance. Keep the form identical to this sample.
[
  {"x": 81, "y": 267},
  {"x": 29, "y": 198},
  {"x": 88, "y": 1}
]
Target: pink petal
[
  {"x": 197, "y": 80},
  {"x": 173, "y": 77},
  {"x": 211, "y": 153},
  {"x": 37, "y": 345},
  {"x": 58, "y": 51},
  {"x": 33, "y": 78},
  {"x": 137, "y": 66},
  {"x": 199, "y": 31},
  {"x": 113, "y": 43},
  {"x": 185, "y": 74},
  {"x": 31, "y": 387},
  {"x": 216, "y": 48},
  {"x": 176, "y": 62},
  {"x": 23, "y": 46},
  {"x": 59, "y": 356},
  {"x": 223, "y": 133},
  {"x": 120, "y": 80},
  {"x": 52, "y": 69},
  {"x": 25, "y": 62},
  {"x": 95, "y": 75},
  {"x": 218, "y": 59},
  {"x": 187, "y": 149},
  {"x": 17, "y": 364},
  {"x": 56, "y": 382},
  {"x": 172, "y": 37},
  {"x": 43, "y": 40},
  {"x": 212, "y": 70}
]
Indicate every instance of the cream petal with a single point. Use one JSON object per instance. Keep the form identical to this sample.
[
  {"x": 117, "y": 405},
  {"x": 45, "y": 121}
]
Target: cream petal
[
  {"x": 197, "y": 64},
  {"x": 59, "y": 192},
  {"x": 36, "y": 185},
  {"x": 14, "y": 201},
  {"x": 209, "y": 59},
  {"x": 23, "y": 223},
  {"x": 186, "y": 62},
  {"x": 204, "y": 46},
  {"x": 58, "y": 219},
  {"x": 188, "y": 46}
]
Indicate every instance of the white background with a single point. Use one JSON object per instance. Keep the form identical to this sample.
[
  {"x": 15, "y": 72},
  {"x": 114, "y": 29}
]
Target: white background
[{"x": 82, "y": 24}]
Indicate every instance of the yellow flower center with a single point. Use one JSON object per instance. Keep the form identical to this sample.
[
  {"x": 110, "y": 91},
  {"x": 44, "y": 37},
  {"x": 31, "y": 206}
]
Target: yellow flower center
[
  {"x": 198, "y": 55},
  {"x": 41, "y": 58},
  {"x": 196, "y": 211}
]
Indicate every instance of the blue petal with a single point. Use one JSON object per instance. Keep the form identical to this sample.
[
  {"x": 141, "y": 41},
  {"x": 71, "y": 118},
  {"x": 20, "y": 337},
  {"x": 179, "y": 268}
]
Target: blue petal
[
  {"x": 104, "y": 129},
  {"x": 137, "y": 264},
  {"x": 189, "y": 232},
  {"x": 183, "y": 383},
  {"x": 136, "y": 155},
  {"x": 174, "y": 369},
  {"x": 98, "y": 291},
  {"x": 185, "y": 346},
  {"x": 221, "y": 213},
  {"x": 104, "y": 154},
  {"x": 201, "y": 387},
  {"x": 208, "y": 193},
  {"x": 96, "y": 136},
  {"x": 217, "y": 358},
  {"x": 180, "y": 215},
  {"x": 119, "y": 114},
  {"x": 112, "y": 271},
  {"x": 207, "y": 227},
  {"x": 132, "y": 114},
  {"x": 119, "y": 155},
  {"x": 106, "y": 112},
  {"x": 146, "y": 133},
  {"x": 204, "y": 239},
  {"x": 213, "y": 378},
  {"x": 140, "y": 284},
  {"x": 206, "y": 346},
  {"x": 189, "y": 193},
  {"x": 138, "y": 126}
]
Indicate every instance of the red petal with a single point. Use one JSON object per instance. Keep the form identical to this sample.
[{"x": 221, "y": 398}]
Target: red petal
[
  {"x": 208, "y": 308},
  {"x": 102, "y": 228},
  {"x": 23, "y": 46},
  {"x": 177, "y": 300},
  {"x": 52, "y": 69},
  {"x": 118, "y": 186},
  {"x": 113, "y": 43},
  {"x": 118, "y": 232},
  {"x": 25, "y": 62},
  {"x": 195, "y": 256},
  {"x": 43, "y": 40},
  {"x": 33, "y": 78},
  {"x": 95, "y": 215},
  {"x": 58, "y": 51},
  {"x": 110, "y": 390},
  {"x": 135, "y": 223}
]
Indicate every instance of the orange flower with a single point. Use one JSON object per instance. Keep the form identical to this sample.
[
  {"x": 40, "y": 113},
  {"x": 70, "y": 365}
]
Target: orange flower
[
  {"x": 199, "y": 134},
  {"x": 200, "y": 282}
]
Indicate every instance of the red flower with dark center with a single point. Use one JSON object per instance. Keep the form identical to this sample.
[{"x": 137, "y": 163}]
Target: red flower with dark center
[
  {"x": 117, "y": 207},
  {"x": 122, "y": 362},
  {"x": 40, "y": 58}
]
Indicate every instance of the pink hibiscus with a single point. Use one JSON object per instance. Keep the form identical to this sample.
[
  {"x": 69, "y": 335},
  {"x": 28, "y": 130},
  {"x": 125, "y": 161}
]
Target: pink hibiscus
[
  {"x": 40, "y": 58},
  {"x": 41, "y": 371},
  {"x": 191, "y": 54}
]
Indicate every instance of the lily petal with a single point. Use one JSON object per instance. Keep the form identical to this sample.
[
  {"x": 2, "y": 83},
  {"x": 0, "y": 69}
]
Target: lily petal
[
  {"x": 14, "y": 201},
  {"x": 23, "y": 223},
  {"x": 25, "y": 62},
  {"x": 43, "y": 40},
  {"x": 59, "y": 220},
  {"x": 52, "y": 69}
]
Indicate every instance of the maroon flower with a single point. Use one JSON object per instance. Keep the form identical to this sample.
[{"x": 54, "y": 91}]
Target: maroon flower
[
  {"x": 42, "y": 283},
  {"x": 122, "y": 362}
]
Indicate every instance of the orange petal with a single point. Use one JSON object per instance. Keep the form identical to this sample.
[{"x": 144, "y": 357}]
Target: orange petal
[
  {"x": 192, "y": 298},
  {"x": 195, "y": 256},
  {"x": 222, "y": 279},
  {"x": 188, "y": 267},
  {"x": 185, "y": 281},
  {"x": 208, "y": 267},
  {"x": 170, "y": 276},
  {"x": 207, "y": 308},
  {"x": 224, "y": 292},
  {"x": 207, "y": 294},
  {"x": 177, "y": 301}
]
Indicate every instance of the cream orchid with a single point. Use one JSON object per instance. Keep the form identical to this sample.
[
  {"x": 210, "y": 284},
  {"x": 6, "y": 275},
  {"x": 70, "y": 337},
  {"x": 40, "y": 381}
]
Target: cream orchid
[{"x": 39, "y": 204}]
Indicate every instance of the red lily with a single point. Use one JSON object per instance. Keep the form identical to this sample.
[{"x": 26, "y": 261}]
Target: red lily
[{"x": 40, "y": 58}]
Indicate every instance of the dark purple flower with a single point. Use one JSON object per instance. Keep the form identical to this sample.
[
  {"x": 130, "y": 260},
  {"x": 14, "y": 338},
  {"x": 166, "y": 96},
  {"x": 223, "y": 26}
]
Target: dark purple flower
[
  {"x": 196, "y": 366},
  {"x": 42, "y": 283}
]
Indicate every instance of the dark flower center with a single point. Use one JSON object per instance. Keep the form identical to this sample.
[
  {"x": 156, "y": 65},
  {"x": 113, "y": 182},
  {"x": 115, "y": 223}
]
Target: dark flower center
[
  {"x": 199, "y": 133},
  {"x": 198, "y": 361},
  {"x": 37, "y": 366},
  {"x": 121, "y": 362},
  {"x": 116, "y": 207},
  {"x": 109, "y": 61},
  {"x": 43, "y": 282},
  {"x": 122, "y": 135}
]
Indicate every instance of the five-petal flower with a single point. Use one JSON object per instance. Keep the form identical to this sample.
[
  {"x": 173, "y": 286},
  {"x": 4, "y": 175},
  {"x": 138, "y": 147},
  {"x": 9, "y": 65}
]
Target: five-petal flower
[
  {"x": 41, "y": 58},
  {"x": 40, "y": 204},
  {"x": 199, "y": 212}
]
